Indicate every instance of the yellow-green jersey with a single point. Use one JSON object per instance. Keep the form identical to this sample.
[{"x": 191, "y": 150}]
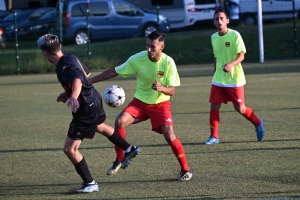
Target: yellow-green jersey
[
  {"x": 146, "y": 71},
  {"x": 225, "y": 49}
]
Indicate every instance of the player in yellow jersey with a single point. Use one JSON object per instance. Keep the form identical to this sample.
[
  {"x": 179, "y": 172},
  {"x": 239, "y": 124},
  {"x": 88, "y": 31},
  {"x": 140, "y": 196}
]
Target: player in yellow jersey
[
  {"x": 157, "y": 78},
  {"x": 229, "y": 79}
]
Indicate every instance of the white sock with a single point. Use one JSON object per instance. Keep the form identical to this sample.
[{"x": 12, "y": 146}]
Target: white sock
[
  {"x": 128, "y": 149},
  {"x": 93, "y": 182}
]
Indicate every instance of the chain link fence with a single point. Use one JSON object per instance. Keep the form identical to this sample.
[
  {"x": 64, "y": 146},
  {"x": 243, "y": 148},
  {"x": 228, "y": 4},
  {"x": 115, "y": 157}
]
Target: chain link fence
[{"x": 276, "y": 14}]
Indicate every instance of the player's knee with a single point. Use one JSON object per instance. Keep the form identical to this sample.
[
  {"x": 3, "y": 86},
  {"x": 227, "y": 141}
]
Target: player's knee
[
  {"x": 68, "y": 151},
  {"x": 120, "y": 123}
]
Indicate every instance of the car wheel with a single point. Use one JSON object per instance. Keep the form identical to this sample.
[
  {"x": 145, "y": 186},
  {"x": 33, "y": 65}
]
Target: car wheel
[
  {"x": 149, "y": 28},
  {"x": 81, "y": 37},
  {"x": 249, "y": 20}
]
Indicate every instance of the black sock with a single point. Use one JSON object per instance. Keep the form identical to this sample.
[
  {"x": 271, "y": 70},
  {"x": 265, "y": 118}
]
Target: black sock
[
  {"x": 83, "y": 170},
  {"x": 118, "y": 140}
]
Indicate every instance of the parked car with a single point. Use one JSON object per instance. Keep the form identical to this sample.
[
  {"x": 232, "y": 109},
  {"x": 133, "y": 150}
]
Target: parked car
[
  {"x": 3, "y": 14},
  {"x": 10, "y": 19},
  {"x": 107, "y": 19},
  {"x": 33, "y": 17},
  {"x": 272, "y": 10},
  {"x": 36, "y": 25},
  {"x": 180, "y": 13},
  {"x": 2, "y": 39}
]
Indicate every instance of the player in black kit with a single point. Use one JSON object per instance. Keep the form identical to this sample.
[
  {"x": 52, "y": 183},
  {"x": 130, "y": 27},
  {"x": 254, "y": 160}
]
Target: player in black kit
[{"x": 87, "y": 110}]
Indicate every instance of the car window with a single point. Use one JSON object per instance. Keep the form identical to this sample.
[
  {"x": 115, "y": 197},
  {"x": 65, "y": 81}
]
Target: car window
[
  {"x": 125, "y": 9},
  {"x": 49, "y": 15},
  {"x": 20, "y": 15},
  {"x": 96, "y": 9},
  {"x": 37, "y": 14},
  {"x": 200, "y": 2}
]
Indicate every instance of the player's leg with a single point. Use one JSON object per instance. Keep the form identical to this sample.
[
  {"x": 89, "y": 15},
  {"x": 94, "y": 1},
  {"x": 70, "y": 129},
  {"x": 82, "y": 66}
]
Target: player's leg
[
  {"x": 237, "y": 97},
  {"x": 71, "y": 150},
  {"x": 121, "y": 144},
  {"x": 249, "y": 114},
  {"x": 217, "y": 97},
  {"x": 123, "y": 120},
  {"x": 178, "y": 150},
  {"x": 161, "y": 120}
]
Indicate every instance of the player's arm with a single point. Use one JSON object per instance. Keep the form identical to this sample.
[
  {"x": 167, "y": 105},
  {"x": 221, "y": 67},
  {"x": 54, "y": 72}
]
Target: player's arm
[
  {"x": 107, "y": 74},
  {"x": 76, "y": 89},
  {"x": 166, "y": 90},
  {"x": 240, "y": 57}
]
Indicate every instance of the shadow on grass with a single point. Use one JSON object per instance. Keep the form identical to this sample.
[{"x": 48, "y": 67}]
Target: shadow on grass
[{"x": 166, "y": 145}]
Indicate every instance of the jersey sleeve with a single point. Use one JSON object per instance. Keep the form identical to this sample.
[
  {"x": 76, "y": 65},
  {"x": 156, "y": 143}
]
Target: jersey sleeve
[
  {"x": 173, "y": 77},
  {"x": 240, "y": 46},
  {"x": 126, "y": 69}
]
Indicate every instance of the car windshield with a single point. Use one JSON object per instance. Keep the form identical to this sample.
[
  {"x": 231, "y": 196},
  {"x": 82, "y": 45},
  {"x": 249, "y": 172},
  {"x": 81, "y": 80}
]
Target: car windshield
[
  {"x": 20, "y": 15},
  {"x": 37, "y": 14},
  {"x": 49, "y": 15}
]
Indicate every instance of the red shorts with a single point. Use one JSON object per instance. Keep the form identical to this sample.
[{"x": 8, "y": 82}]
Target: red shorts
[
  {"x": 159, "y": 114},
  {"x": 224, "y": 94}
]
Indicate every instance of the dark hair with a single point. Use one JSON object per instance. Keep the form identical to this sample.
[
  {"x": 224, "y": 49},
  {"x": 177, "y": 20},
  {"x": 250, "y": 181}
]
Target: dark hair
[
  {"x": 220, "y": 10},
  {"x": 49, "y": 43},
  {"x": 156, "y": 35}
]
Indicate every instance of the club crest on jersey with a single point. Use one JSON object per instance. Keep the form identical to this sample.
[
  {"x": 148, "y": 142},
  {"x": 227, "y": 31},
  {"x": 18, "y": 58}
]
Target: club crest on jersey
[
  {"x": 160, "y": 74},
  {"x": 227, "y": 44}
]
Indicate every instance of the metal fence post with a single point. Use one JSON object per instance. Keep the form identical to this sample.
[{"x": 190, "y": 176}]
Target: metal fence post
[
  {"x": 17, "y": 44},
  {"x": 157, "y": 12},
  {"x": 88, "y": 28},
  {"x": 295, "y": 29},
  {"x": 60, "y": 21}
]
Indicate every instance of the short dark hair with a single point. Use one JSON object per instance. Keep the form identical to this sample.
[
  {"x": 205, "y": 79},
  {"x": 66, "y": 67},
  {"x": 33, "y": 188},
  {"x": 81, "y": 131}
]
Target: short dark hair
[
  {"x": 49, "y": 43},
  {"x": 156, "y": 35},
  {"x": 220, "y": 10}
]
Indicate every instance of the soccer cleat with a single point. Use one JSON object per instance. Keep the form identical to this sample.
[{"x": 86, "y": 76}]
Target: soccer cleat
[
  {"x": 212, "y": 140},
  {"x": 87, "y": 187},
  {"x": 114, "y": 168},
  {"x": 260, "y": 130},
  {"x": 128, "y": 156},
  {"x": 185, "y": 175}
]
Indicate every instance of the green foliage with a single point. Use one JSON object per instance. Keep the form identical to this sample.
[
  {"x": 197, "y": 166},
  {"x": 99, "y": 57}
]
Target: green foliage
[
  {"x": 185, "y": 47},
  {"x": 33, "y": 130}
]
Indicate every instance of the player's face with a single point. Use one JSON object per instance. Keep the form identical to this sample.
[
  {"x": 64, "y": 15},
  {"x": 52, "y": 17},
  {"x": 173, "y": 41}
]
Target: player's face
[
  {"x": 221, "y": 21},
  {"x": 154, "y": 48}
]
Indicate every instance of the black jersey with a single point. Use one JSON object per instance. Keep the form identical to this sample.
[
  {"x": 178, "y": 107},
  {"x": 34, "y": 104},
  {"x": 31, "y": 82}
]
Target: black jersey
[{"x": 67, "y": 69}]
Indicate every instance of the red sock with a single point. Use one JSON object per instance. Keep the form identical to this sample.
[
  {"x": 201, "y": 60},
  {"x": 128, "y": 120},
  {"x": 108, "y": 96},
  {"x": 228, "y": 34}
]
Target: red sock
[
  {"x": 119, "y": 151},
  {"x": 249, "y": 114},
  {"x": 214, "y": 120},
  {"x": 178, "y": 151}
]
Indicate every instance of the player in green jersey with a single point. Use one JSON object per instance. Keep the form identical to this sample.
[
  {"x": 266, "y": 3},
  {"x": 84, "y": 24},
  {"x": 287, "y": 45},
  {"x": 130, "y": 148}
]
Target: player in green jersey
[
  {"x": 157, "y": 78},
  {"x": 229, "y": 79}
]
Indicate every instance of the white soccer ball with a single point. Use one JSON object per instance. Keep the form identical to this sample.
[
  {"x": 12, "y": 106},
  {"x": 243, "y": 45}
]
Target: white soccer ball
[{"x": 114, "y": 96}]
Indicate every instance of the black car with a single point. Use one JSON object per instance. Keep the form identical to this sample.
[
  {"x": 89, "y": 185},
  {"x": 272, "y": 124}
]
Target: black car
[
  {"x": 23, "y": 16},
  {"x": 9, "y": 20},
  {"x": 3, "y": 14},
  {"x": 37, "y": 27}
]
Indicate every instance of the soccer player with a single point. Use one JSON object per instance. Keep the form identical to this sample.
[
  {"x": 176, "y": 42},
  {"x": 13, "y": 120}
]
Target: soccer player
[
  {"x": 229, "y": 79},
  {"x": 157, "y": 78},
  {"x": 87, "y": 110}
]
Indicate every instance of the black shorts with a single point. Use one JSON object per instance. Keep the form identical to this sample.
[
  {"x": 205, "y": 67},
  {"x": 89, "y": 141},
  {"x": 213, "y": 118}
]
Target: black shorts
[{"x": 85, "y": 121}]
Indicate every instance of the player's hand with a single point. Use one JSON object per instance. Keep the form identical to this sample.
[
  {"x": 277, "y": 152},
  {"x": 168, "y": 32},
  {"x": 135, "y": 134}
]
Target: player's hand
[
  {"x": 63, "y": 97},
  {"x": 157, "y": 86},
  {"x": 74, "y": 104},
  {"x": 227, "y": 67}
]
